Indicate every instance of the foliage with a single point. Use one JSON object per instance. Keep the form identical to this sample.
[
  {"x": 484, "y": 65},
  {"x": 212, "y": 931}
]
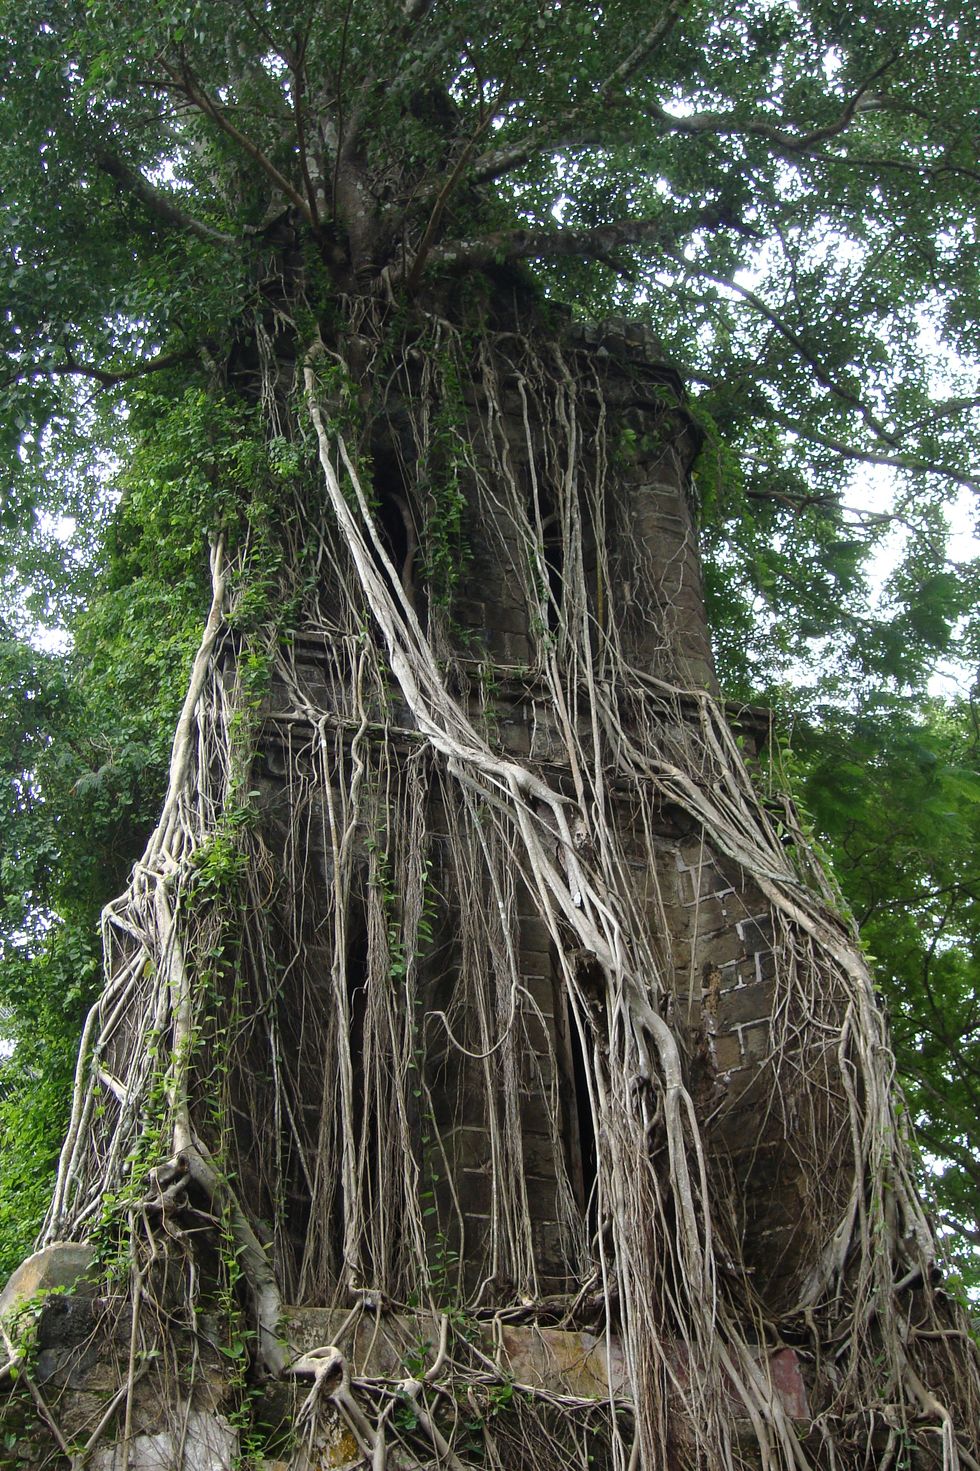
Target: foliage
[
  {"x": 84, "y": 740},
  {"x": 895, "y": 791},
  {"x": 786, "y": 192}
]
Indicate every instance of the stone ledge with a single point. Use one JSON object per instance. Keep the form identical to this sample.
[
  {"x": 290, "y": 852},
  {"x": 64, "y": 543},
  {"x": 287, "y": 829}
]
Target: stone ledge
[{"x": 556, "y": 1360}]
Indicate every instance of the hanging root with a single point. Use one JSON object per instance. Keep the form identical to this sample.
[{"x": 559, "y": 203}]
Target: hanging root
[{"x": 322, "y": 1031}]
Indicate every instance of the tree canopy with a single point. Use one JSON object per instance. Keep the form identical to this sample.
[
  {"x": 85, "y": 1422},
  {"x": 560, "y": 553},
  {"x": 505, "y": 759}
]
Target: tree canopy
[
  {"x": 786, "y": 195},
  {"x": 785, "y": 192}
]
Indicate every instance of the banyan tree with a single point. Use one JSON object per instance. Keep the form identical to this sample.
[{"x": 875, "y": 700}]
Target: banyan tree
[{"x": 486, "y": 1073}]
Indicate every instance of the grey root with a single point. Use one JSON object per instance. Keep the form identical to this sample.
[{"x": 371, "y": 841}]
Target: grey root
[{"x": 474, "y": 1017}]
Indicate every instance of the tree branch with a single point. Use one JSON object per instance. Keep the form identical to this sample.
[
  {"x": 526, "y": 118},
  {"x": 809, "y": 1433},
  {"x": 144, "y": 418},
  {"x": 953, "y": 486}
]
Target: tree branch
[
  {"x": 726, "y": 123},
  {"x": 156, "y": 202},
  {"x": 294, "y": 59},
  {"x": 846, "y": 451},
  {"x": 298, "y": 91},
  {"x": 284, "y": 52},
  {"x": 872, "y": 457},
  {"x": 453, "y": 178},
  {"x": 567, "y": 132},
  {"x": 500, "y": 161},
  {"x": 948, "y": 408},
  {"x": 951, "y": 1148},
  {"x": 659, "y": 32},
  {"x": 185, "y": 82},
  {"x": 572, "y": 130},
  {"x": 922, "y": 170},
  {"x": 106, "y": 377},
  {"x": 592, "y": 243},
  {"x": 953, "y": 1223},
  {"x": 790, "y": 335}
]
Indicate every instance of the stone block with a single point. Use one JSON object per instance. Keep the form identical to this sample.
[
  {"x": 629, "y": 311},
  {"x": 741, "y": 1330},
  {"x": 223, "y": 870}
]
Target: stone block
[
  {"x": 685, "y": 1005},
  {"x": 535, "y": 1110},
  {"x": 746, "y": 1088},
  {"x": 515, "y": 736},
  {"x": 549, "y": 1358},
  {"x": 756, "y": 931},
  {"x": 709, "y": 915},
  {"x": 662, "y": 532},
  {"x": 475, "y": 1190},
  {"x": 510, "y": 618},
  {"x": 659, "y": 497},
  {"x": 564, "y": 1362},
  {"x": 680, "y": 953},
  {"x": 540, "y": 1070},
  {"x": 540, "y": 993},
  {"x": 66, "y": 1341},
  {"x": 718, "y": 946},
  {"x": 470, "y": 612},
  {"x": 542, "y": 1205},
  {"x": 511, "y": 648},
  {"x": 727, "y": 1051},
  {"x": 787, "y": 1381},
  {"x": 781, "y": 1209},
  {"x": 539, "y": 1155},
  {"x": 81, "y": 1410},
  {"x": 765, "y": 965},
  {"x": 757, "y": 1044},
  {"x": 545, "y": 742},
  {"x": 63, "y": 1266},
  {"x": 699, "y": 673},
  {"x": 198, "y": 1441},
  {"x": 535, "y": 936},
  {"x": 742, "y": 1005},
  {"x": 378, "y": 1344},
  {"x": 740, "y": 973},
  {"x": 539, "y": 1031},
  {"x": 469, "y": 1148}
]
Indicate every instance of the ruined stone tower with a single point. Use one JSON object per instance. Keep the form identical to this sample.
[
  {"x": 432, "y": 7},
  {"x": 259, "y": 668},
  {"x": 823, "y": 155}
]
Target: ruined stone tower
[
  {"x": 472, "y": 1020},
  {"x": 503, "y": 1072}
]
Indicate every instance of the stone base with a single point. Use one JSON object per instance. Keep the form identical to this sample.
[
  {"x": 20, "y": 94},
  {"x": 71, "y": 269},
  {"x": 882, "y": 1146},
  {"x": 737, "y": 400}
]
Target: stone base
[
  {"x": 557, "y": 1360},
  {"x": 187, "y": 1422},
  {"x": 204, "y": 1442}
]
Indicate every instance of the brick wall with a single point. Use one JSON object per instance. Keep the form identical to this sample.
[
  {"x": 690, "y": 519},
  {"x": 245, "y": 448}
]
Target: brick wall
[{"x": 515, "y": 1115}]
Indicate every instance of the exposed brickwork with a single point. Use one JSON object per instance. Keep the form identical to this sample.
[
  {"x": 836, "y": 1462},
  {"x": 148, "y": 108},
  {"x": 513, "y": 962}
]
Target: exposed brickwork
[{"x": 718, "y": 949}]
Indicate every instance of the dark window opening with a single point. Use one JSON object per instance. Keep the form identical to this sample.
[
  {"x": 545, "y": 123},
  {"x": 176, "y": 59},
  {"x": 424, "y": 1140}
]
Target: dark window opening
[
  {"x": 582, "y": 1127},
  {"x": 577, "y": 1119},
  {"x": 553, "y": 551},
  {"x": 356, "y": 981},
  {"x": 396, "y": 523}
]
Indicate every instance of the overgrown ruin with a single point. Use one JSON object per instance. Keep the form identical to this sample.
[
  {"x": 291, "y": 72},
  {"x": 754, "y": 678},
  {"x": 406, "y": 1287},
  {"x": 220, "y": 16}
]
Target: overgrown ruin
[{"x": 474, "y": 1011}]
